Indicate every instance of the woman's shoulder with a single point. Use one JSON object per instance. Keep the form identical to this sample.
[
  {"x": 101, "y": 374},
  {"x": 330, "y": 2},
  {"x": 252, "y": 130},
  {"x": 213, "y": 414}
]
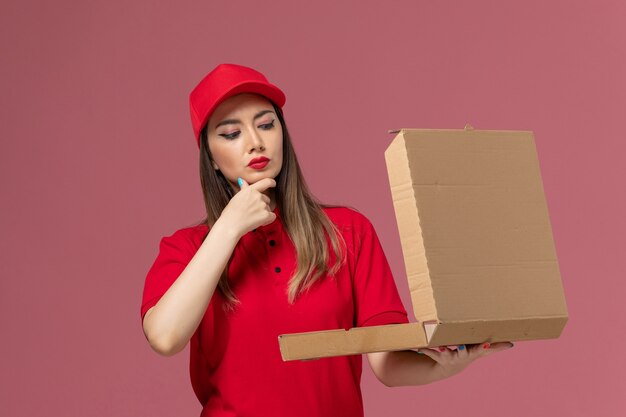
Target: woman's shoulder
[
  {"x": 191, "y": 236},
  {"x": 345, "y": 216}
]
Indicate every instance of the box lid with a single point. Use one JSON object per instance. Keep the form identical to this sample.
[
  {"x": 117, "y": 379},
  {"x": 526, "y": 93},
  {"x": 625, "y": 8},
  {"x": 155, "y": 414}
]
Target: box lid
[{"x": 474, "y": 225}]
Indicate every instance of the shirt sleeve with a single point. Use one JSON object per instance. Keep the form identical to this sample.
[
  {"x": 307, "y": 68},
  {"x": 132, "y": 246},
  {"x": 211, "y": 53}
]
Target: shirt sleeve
[
  {"x": 175, "y": 252},
  {"x": 376, "y": 295}
]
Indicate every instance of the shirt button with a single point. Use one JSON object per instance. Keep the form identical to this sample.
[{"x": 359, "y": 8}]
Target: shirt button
[
  {"x": 277, "y": 269},
  {"x": 272, "y": 243}
]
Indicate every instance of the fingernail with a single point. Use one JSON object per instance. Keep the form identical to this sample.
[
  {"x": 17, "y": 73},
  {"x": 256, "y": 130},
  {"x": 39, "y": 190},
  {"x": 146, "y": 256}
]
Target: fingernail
[
  {"x": 461, "y": 347},
  {"x": 486, "y": 345},
  {"x": 442, "y": 349},
  {"x": 239, "y": 181}
]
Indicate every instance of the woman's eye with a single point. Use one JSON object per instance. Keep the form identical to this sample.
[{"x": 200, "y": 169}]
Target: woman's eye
[
  {"x": 230, "y": 135},
  {"x": 267, "y": 126}
]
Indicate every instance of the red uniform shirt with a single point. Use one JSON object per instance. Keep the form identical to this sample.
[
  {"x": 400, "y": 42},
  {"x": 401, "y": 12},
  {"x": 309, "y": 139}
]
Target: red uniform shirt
[{"x": 235, "y": 363}]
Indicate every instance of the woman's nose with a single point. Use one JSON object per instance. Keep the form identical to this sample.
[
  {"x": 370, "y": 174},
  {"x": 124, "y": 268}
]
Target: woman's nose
[{"x": 255, "y": 140}]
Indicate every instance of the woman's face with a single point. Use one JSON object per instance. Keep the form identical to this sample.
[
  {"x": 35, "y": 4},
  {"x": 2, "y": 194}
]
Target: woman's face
[{"x": 242, "y": 129}]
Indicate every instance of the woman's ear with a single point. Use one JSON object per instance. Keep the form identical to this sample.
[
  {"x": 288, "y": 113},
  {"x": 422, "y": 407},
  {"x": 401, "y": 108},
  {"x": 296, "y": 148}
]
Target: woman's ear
[{"x": 215, "y": 167}]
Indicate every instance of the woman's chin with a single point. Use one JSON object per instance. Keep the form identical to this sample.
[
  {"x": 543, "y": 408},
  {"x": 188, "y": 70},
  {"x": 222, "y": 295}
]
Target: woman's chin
[{"x": 260, "y": 175}]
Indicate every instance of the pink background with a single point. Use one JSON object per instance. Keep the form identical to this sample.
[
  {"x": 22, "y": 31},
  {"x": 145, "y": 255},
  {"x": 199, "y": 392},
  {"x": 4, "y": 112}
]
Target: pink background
[{"x": 98, "y": 162}]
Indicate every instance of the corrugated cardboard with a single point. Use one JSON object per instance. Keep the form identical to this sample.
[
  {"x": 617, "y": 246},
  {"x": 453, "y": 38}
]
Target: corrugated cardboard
[{"x": 477, "y": 246}]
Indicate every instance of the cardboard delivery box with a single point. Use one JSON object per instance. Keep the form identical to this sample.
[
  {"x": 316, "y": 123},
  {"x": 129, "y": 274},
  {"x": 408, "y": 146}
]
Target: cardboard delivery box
[{"x": 477, "y": 246}]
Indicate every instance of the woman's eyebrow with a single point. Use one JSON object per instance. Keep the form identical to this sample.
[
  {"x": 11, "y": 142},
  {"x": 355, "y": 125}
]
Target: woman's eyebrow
[{"x": 235, "y": 121}]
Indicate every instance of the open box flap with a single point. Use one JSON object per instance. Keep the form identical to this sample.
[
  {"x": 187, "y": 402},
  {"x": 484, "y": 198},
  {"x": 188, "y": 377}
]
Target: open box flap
[{"x": 473, "y": 224}]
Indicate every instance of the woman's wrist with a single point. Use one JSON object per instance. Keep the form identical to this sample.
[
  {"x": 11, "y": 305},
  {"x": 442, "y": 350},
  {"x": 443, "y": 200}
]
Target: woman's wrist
[{"x": 226, "y": 231}]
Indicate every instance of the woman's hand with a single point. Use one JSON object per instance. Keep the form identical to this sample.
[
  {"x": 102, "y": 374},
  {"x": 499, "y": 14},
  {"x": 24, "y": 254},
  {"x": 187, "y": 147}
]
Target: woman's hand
[
  {"x": 453, "y": 359},
  {"x": 249, "y": 208}
]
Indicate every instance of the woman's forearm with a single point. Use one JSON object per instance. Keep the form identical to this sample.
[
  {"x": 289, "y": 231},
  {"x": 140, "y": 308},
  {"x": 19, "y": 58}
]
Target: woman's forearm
[
  {"x": 169, "y": 325},
  {"x": 404, "y": 368}
]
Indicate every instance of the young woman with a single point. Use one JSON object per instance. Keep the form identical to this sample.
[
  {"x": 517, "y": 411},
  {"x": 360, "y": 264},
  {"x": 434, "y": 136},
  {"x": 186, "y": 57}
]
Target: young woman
[{"x": 267, "y": 260}]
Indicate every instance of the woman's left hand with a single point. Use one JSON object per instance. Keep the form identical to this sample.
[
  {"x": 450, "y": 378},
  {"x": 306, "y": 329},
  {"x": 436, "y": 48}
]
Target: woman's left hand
[{"x": 453, "y": 359}]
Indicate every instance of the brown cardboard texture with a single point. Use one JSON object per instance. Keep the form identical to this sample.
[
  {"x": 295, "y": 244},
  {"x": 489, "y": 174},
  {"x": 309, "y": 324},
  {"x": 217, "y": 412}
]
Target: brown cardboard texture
[{"x": 477, "y": 245}]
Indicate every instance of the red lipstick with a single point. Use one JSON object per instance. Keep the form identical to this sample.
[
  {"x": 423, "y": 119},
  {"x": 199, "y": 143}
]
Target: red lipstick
[{"x": 258, "y": 163}]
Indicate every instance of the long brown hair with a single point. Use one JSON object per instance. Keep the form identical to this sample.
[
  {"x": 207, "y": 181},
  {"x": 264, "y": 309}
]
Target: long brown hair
[{"x": 306, "y": 224}]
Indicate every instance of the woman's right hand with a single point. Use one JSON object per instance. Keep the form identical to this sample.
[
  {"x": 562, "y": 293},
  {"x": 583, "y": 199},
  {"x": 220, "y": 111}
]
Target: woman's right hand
[{"x": 249, "y": 208}]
